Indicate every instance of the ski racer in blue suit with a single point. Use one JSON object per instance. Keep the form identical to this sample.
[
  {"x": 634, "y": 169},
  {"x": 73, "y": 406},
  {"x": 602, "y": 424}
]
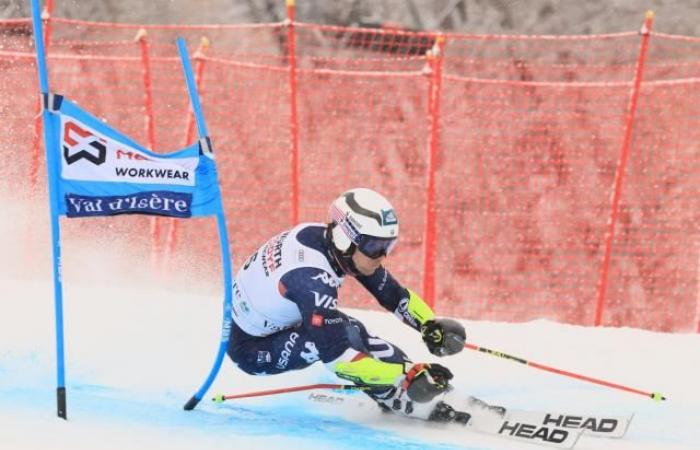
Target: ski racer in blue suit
[{"x": 286, "y": 316}]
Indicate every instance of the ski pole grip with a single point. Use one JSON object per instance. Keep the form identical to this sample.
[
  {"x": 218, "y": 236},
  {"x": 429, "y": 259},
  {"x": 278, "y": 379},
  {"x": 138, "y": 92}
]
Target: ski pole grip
[{"x": 658, "y": 396}]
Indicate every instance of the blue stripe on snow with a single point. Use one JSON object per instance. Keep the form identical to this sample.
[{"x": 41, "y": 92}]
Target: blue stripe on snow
[{"x": 225, "y": 422}]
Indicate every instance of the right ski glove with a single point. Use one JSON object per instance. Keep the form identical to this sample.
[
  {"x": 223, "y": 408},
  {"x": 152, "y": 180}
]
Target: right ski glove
[
  {"x": 425, "y": 381},
  {"x": 443, "y": 336}
]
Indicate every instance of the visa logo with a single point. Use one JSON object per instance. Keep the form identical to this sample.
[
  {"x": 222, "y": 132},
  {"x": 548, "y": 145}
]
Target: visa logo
[{"x": 325, "y": 301}]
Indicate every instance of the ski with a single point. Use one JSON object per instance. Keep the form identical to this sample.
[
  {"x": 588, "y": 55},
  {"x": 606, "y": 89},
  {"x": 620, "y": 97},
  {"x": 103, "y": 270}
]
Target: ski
[
  {"x": 523, "y": 429},
  {"x": 602, "y": 426},
  {"x": 591, "y": 425},
  {"x": 517, "y": 428}
]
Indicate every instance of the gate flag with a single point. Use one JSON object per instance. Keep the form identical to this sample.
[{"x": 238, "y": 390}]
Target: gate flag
[
  {"x": 94, "y": 170},
  {"x": 101, "y": 172}
]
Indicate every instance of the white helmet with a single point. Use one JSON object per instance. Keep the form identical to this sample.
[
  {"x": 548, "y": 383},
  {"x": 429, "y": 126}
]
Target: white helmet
[{"x": 361, "y": 219}]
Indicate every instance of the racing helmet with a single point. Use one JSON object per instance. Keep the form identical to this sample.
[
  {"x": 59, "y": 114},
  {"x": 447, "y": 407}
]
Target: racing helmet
[{"x": 361, "y": 220}]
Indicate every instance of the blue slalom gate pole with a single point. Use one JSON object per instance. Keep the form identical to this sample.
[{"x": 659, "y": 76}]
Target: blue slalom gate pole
[
  {"x": 55, "y": 224},
  {"x": 205, "y": 146}
]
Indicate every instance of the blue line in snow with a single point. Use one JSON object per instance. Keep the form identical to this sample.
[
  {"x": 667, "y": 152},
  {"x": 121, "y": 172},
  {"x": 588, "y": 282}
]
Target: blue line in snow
[{"x": 164, "y": 411}]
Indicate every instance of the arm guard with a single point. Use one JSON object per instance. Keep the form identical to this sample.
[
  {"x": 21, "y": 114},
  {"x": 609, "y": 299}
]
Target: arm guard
[{"x": 413, "y": 310}]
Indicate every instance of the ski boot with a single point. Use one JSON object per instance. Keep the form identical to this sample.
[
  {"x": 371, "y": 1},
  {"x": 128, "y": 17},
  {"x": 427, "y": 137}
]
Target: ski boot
[
  {"x": 444, "y": 413},
  {"x": 417, "y": 394}
]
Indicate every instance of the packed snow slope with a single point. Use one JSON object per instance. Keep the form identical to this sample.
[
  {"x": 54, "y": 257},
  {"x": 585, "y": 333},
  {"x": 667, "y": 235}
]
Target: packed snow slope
[{"x": 138, "y": 345}]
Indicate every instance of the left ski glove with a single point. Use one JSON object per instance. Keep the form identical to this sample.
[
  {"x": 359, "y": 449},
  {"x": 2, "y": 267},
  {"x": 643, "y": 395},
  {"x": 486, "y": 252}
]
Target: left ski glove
[
  {"x": 443, "y": 336},
  {"x": 423, "y": 381}
]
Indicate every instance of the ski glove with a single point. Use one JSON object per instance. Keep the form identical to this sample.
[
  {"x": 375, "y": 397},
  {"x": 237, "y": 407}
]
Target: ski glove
[
  {"x": 443, "y": 336},
  {"x": 425, "y": 381}
]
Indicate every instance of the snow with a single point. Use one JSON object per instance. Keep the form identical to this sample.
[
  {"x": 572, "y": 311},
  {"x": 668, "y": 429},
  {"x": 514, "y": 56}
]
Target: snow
[{"x": 138, "y": 346}]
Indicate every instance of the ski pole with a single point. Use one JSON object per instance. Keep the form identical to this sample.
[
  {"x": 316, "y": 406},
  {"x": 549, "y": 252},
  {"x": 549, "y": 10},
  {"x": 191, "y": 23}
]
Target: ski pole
[
  {"x": 653, "y": 395},
  {"x": 220, "y": 398}
]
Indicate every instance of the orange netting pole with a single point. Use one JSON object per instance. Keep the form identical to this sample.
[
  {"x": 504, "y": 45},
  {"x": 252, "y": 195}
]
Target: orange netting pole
[
  {"x": 697, "y": 297},
  {"x": 434, "y": 61},
  {"x": 36, "y": 143},
  {"x": 621, "y": 166},
  {"x": 293, "y": 123},
  {"x": 199, "y": 58},
  {"x": 697, "y": 309},
  {"x": 142, "y": 39}
]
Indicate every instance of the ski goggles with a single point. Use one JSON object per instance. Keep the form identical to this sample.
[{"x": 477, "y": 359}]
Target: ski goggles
[{"x": 374, "y": 247}]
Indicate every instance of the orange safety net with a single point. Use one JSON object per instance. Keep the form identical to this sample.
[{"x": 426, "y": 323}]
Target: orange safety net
[{"x": 509, "y": 147}]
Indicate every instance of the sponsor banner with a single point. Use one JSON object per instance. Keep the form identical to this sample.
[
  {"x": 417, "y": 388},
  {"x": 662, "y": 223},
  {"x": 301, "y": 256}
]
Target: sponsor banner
[
  {"x": 164, "y": 203},
  {"x": 88, "y": 155},
  {"x": 100, "y": 171}
]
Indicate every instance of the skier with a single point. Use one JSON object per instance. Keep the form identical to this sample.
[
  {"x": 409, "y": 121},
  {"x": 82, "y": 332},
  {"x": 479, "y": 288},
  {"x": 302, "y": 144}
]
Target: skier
[{"x": 286, "y": 318}]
